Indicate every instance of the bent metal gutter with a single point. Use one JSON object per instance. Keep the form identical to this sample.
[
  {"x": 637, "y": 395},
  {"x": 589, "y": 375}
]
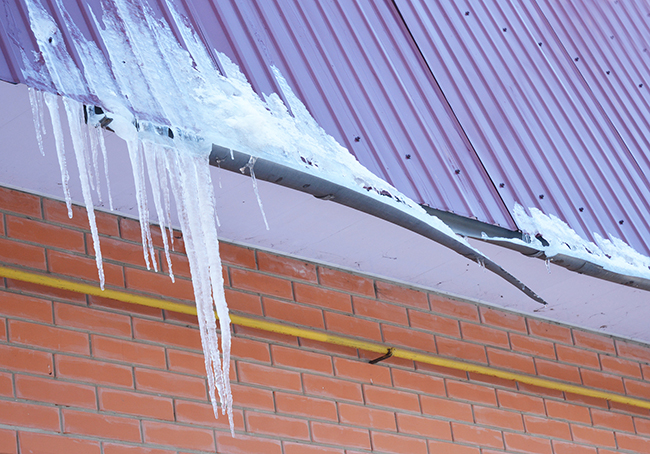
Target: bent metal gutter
[
  {"x": 321, "y": 188},
  {"x": 250, "y": 322}
]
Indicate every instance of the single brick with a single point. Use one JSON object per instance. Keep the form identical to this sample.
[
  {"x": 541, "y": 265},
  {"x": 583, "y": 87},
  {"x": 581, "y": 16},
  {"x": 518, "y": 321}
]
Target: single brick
[
  {"x": 331, "y": 387},
  {"x": 237, "y": 255},
  {"x": 633, "y": 351},
  {"x": 166, "y": 333},
  {"x": 101, "y": 425},
  {"x": 201, "y": 414},
  {"x": 29, "y": 415},
  {"x": 471, "y": 392},
  {"x": 401, "y": 295},
  {"x": 348, "y": 437},
  {"x": 184, "y": 437},
  {"x": 48, "y": 337},
  {"x": 250, "y": 349},
  {"x": 569, "y": 412},
  {"x": 484, "y": 334},
  {"x": 557, "y": 371},
  {"x": 502, "y": 319},
  {"x": 245, "y": 444},
  {"x": 549, "y": 331},
  {"x": 594, "y": 341},
  {"x": 351, "y": 325},
  {"x": 20, "y": 359},
  {"x": 379, "y": 310},
  {"x": 119, "y": 250},
  {"x": 8, "y": 441},
  {"x": 491, "y": 381},
  {"x": 633, "y": 442},
  {"x": 611, "y": 420},
  {"x": 420, "y": 382},
  {"x": 321, "y": 297},
  {"x": 361, "y": 415},
  {"x": 3, "y": 329},
  {"x": 93, "y": 371},
  {"x": 509, "y": 360},
  {"x": 55, "y": 392},
  {"x": 460, "y": 349},
  {"x": 45, "y": 291},
  {"x": 452, "y": 448},
  {"x": 129, "y": 308},
  {"x": 128, "y": 351},
  {"x": 299, "y": 405},
  {"x": 20, "y": 202},
  {"x": 620, "y": 366},
  {"x": 419, "y": 340},
  {"x": 56, "y": 211},
  {"x": 40, "y": 443},
  {"x": 593, "y": 436},
  {"x": 498, "y": 418},
  {"x": 244, "y": 302},
  {"x": 6, "y": 385},
  {"x": 520, "y": 402},
  {"x": 457, "y": 309},
  {"x": 426, "y": 427},
  {"x": 434, "y": 323},
  {"x": 385, "y": 397},
  {"x": 293, "y": 313},
  {"x": 158, "y": 284},
  {"x": 250, "y": 397},
  {"x": 298, "y": 448},
  {"x": 114, "y": 448},
  {"x": 577, "y": 356},
  {"x": 23, "y": 254},
  {"x": 44, "y": 234},
  {"x": 97, "y": 321},
  {"x": 547, "y": 427},
  {"x": 475, "y": 435},
  {"x": 285, "y": 266},
  {"x": 536, "y": 347},
  {"x": 83, "y": 268},
  {"x": 137, "y": 404},
  {"x": 280, "y": 426},
  {"x": 297, "y": 358},
  {"x": 346, "y": 281},
  {"x": 130, "y": 230},
  {"x": 637, "y": 388},
  {"x": 186, "y": 362},
  {"x": 268, "y": 376},
  {"x": 527, "y": 444},
  {"x": 23, "y": 306},
  {"x": 562, "y": 447},
  {"x": 170, "y": 384},
  {"x": 398, "y": 444},
  {"x": 600, "y": 380},
  {"x": 362, "y": 371},
  {"x": 261, "y": 283}
]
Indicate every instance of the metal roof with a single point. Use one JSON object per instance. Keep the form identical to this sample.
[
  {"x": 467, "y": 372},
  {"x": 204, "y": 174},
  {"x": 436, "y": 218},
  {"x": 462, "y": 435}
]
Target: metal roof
[{"x": 456, "y": 104}]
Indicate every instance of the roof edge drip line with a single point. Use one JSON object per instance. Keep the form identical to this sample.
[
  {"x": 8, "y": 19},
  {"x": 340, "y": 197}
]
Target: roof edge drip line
[{"x": 320, "y": 188}]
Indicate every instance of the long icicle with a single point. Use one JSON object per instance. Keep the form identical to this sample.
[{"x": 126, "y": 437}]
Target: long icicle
[{"x": 55, "y": 117}]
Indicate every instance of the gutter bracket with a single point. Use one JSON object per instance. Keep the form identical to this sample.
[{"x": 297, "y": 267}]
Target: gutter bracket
[{"x": 382, "y": 357}]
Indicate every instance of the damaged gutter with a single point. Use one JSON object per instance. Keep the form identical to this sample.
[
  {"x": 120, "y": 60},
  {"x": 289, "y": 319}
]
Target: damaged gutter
[{"x": 326, "y": 190}]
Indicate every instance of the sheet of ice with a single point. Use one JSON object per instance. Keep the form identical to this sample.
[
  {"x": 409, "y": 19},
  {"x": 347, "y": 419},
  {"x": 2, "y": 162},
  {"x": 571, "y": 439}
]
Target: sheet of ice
[{"x": 612, "y": 254}]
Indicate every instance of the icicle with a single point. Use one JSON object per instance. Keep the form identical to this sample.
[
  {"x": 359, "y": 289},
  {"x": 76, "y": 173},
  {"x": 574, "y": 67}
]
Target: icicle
[
  {"x": 94, "y": 152},
  {"x": 152, "y": 170},
  {"x": 53, "y": 108},
  {"x": 102, "y": 146},
  {"x": 36, "y": 101},
  {"x": 75, "y": 122},
  {"x": 162, "y": 174},
  {"x": 548, "y": 266},
  {"x": 249, "y": 165}
]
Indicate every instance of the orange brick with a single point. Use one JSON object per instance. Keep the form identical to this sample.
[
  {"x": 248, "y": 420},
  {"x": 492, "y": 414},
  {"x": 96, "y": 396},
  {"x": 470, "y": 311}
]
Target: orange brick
[
  {"x": 166, "y": 333},
  {"x": 472, "y": 392},
  {"x": 285, "y": 266},
  {"x": 594, "y": 341},
  {"x": 170, "y": 384},
  {"x": 379, "y": 310},
  {"x": 97, "y": 321},
  {"x": 509, "y": 360},
  {"x": 20, "y": 202},
  {"x": 498, "y": 418},
  {"x": 184, "y": 437},
  {"x": 297, "y": 448},
  {"x": 452, "y": 448},
  {"x": 384, "y": 397},
  {"x": 101, "y": 425},
  {"x": 520, "y": 402},
  {"x": 24, "y": 254},
  {"x": 8, "y": 441},
  {"x": 633, "y": 443},
  {"x": 83, "y": 268},
  {"x": 535, "y": 347},
  {"x": 250, "y": 349},
  {"x": 331, "y": 387},
  {"x": 401, "y": 295},
  {"x": 540, "y": 391},
  {"x": 92, "y": 371},
  {"x": 557, "y": 371},
  {"x": 642, "y": 425},
  {"x": 327, "y": 347},
  {"x": 434, "y": 323},
  {"x": 440, "y": 370},
  {"x": 645, "y": 371},
  {"x": 245, "y": 444},
  {"x": 351, "y": 325},
  {"x": 491, "y": 381},
  {"x": 261, "y": 283},
  {"x": 29, "y": 415},
  {"x": 136, "y": 404},
  {"x": 547, "y": 427},
  {"x": 6, "y": 385},
  {"x": 418, "y": 382},
  {"x": 3, "y": 329},
  {"x": 457, "y": 309},
  {"x": 292, "y": 357},
  {"x": 128, "y": 351},
  {"x": 620, "y": 366},
  {"x": 48, "y": 337},
  {"x": 587, "y": 400},
  {"x": 268, "y": 376},
  {"x": 249, "y": 397},
  {"x": 633, "y": 351},
  {"x": 570, "y": 412},
  {"x": 321, "y": 297},
  {"x": 561, "y": 447},
  {"x": 240, "y": 330},
  {"x": 187, "y": 362},
  {"x": 484, "y": 334},
  {"x": 158, "y": 284},
  {"x": 45, "y": 234},
  {"x": 460, "y": 349},
  {"x": 503, "y": 319},
  {"x": 361, "y": 415},
  {"x": 130, "y": 230},
  {"x": 20, "y": 359},
  {"x": 201, "y": 414},
  {"x": 112, "y": 448},
  {"x": 348, "y": 437},
  {"x": 56, "y": 211},
  {"x": 22, "y": 306},
  {"x": 293, "y": 313},
  {"x": 398, "y": 444},
  {"x": 426, "y": 427},
  {"x": 611, "y": 420},
  {"x": 116, "y": 250},
  {"x": 237, "y": 255},
  {"x": 296, "y": 404},
  {"x": 419, "y": 340},
  {"x": 346, "y": 281},
  {"x": 593, "y": 436},
  {"x": 131, "y": 309},
  {"x": 637, "y": 388},
  {"x": 600, "y": 380},
  {"x": 45, "y": 291},
  {"x": 244, "y": 302},
  {"x": 481, "y": 436},
  {"x": 281, "y": 426},
  {"x": 549, "y": 330},
  {"x": 577, "y": 356},
  {"x": 55, "y": 392},
  {"x": 527, "y": 444},
  {"x": 39, "y": 443}
]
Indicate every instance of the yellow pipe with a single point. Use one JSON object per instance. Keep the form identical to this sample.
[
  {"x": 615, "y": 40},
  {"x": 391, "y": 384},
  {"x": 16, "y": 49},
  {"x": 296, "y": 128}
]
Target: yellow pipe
[{"x": 264, "y": 325}]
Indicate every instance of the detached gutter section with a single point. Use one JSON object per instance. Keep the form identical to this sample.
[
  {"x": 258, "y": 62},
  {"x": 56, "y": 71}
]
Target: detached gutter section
[{"x": 326, "y": 190}]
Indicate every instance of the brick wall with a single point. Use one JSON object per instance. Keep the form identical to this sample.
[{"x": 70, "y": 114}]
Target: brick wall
[{"x": 82, "y": 374}]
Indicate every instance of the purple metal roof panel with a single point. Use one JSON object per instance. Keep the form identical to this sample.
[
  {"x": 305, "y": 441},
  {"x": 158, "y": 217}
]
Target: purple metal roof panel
[{"x": 536, "y": 125}]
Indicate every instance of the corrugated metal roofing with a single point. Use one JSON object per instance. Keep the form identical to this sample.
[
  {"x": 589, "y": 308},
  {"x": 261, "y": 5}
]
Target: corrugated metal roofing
[{"x": 468, "y": 107}]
